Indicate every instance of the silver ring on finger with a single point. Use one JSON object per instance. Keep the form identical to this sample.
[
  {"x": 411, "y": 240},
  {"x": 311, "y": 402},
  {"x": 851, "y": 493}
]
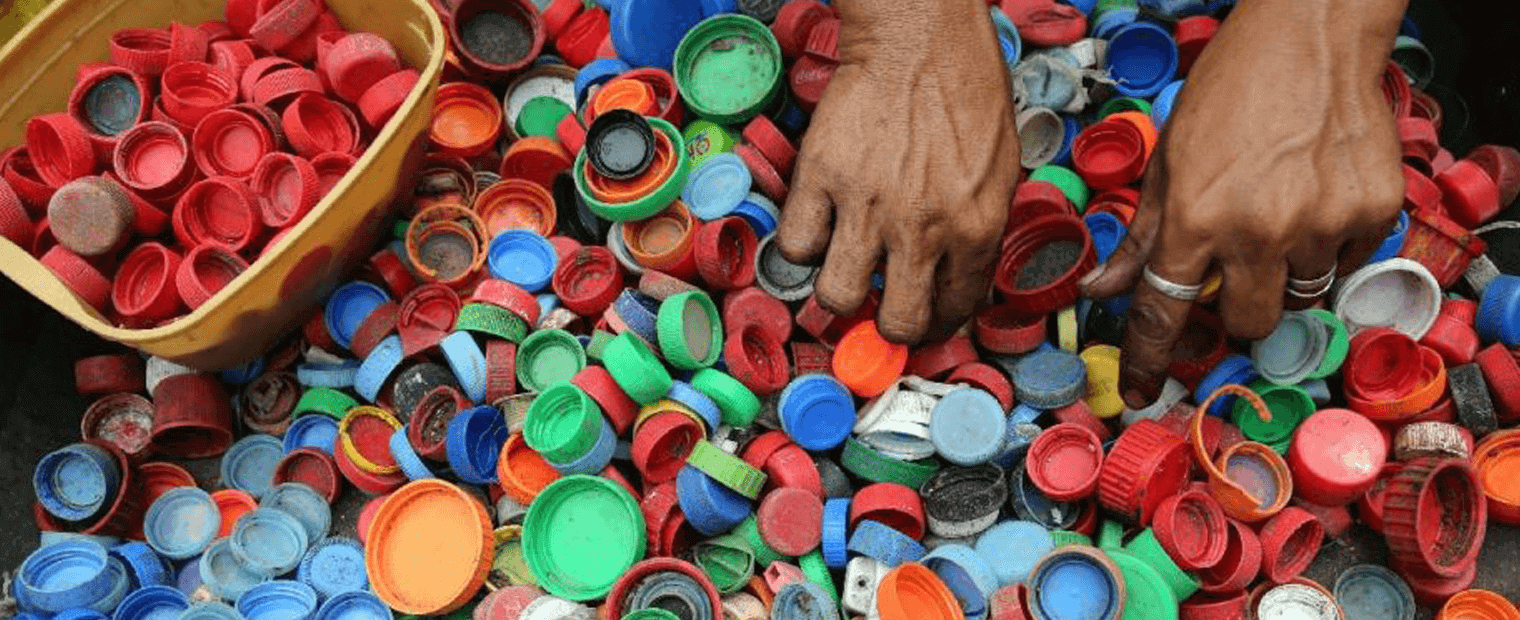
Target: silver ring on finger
[
  {"x": 1179, "y": 292},
  {"x": 1309, "y": 289}
]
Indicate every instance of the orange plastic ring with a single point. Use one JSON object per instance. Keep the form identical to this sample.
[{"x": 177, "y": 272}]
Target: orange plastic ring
[
  {"x": 453, "y": 218},
  {"x": 522, "y": 472},
  {"x": 1430, "y": 390},
  {"x": 1237, "y": 501},
  {"x": 516, "y": 204},
  {"x": 429, "y": 548},
  {"x": 659, "y": 242},
  {"x": 1475, "y": 604},
  {"x": 1143, "y": 122},
  {"x": 232, "y": 504},
  {"x": 619, "y": 192},
  {"x": 627, "y": 94}
]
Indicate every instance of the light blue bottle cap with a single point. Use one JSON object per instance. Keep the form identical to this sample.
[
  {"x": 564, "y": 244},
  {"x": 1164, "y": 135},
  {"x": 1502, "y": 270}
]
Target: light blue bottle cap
[
  {"x": 334, "y": 566},
  {"x": 249, "y": 464},
  {"x": 967, "y": 427},
  {"x": 182, "y": 522},
  {"x": 269, "y": 541},
  {"x": 1012, "y": 548},
  {"x": 304, "y": 503},
  {"x": 347, "y": 308},
  {"x": 717, "y": 187},
  {"x": 522, "y": 257},
  {"x": 312, "y": 431},
  {"x": 278, "y": 600}
]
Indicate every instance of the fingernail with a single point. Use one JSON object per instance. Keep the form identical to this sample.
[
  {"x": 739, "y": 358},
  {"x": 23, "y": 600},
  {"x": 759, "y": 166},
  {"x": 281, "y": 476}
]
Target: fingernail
[{"x": 1092, "y": 276}]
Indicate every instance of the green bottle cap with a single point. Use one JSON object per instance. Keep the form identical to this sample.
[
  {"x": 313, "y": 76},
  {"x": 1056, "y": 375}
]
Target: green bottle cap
[
  {"x": 817, "y": 572},
  {"x": 705, "y": 139},
  {"x": 563, "y": 423},
  {"x": 492, "y": 320},
  {"x": 1065, "y": 178},
  {"x": 867, "y": 463},
  {"x": 581, "y": 534},
  {"x": 398, "y": 230},
  {"x": 547, "y": 357},
  {"x": 728, "y": 68},
  {"x": 690, "y": 330},
  {"x": 1124, "y": 104},
  {"x": 1064, "y": 538},
  {"x": 1111, "y": 535},
  {"x": 541, "y": 116},
  {"x": 325, "y": 401},
  {"x": 764, "y": 554},
  {"x": 599, "y": 341},
  {"x": 635, "y": 369},
  {"x": 1340, "y": 343},
  {"x": 737, "y": 403},
  {"x": 727, "y": 560},
  {"x": 1146, "y": 595},
  {"x": 1289, "y": 404},
  {"x": 1147, "y": 548}
]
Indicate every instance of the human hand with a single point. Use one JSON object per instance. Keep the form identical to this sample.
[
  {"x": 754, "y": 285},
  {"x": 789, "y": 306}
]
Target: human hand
[
  {"x": 912, "y": 156},
  {"x": 1280, "y": 160}
]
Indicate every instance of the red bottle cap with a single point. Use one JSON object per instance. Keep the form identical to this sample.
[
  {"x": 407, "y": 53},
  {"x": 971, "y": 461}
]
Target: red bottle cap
[
  {"x": 466, "y": 119},
  {"x": 1033, "y": 199},
  {"x": 1434, "y": 592},
  {"x": 187, "y": 44},
  {"x": 191, "y": 90},
  {"x": 826, "y": 326},
  {"x": 1289, "y": 542},
  {"x": 1193, "y": 34},
  {"x": 219, "y": 210},
  {"x": 662, "y": 443},
  {"x": 588, "y": 281},
  {"x": 501, "y": 369},
  {"x": 822, "y": 42},
  {"x": 1064, "y": 462},
  {"x": 1335, "y": 456},
  {"x": 427, "y": 315},
  {"x": 282, "y": 86},
  {"x": 59, "y": 148},
  {"x": 760, "y": 449},
  {"x": 380, "y": 323},
  {"x": 1010, "y": 602},
  {"x": 356, "y": 62},
  {"x": 571, "y": 134},
  {"x": 765, "y": 176},
  {"x": 1470, "y": 197},
  {"x": 661, "y": 285},
  {"x": 795, "y": 22},
  {"x": 1109, "y": 153},
  {"x": 495, "y": 39},
  {"x": 392, "y": 272},
  {"x": 122, "y": 419},
  {"x": 1079, "y": 413},
  {"x": 230, "y": 142},
  {"x": 992, "y": 381},
  {"x": 725, "y": 253},
  {"x": 757, "y": 360},
  {"x": 936, "y": 359},
  {"x": 315, "y": 124},
  {"x": 283, "y": 22},
  {"x": 790, "y": 521},
  {"x": 664, "y": 85},
  {"x": 79, "y": 275},
  {"x": 258, "y": 70},
  {"x": 790, "y": 466},
  {"x": 1008, "y": 330},
  {"x": 1241, "y": 564},
  {"x": 616, "y": 405},
  {"x": 141, "y": 51},
  {"x": 1147, "y": 464},
  {"x": 1501, "y": 372},
  {"x": 304, "y": 48},
  {"x": 517, "y": 204},
  {"x": 1502, "y": 163},
  {"x": 192, "y": 416},
  {"x": 1192, "y": 529},
  {"x": 232, "y": 57},
  {"x": 1442, "y": 246},
  {"x": 153, "y": 158},
  {"x": 1419, "y": 141},
  {"x": 510, "y": 296},
  {"x": 92, "y": 216},
  {"x": 380, "y": 101},
  {"x": 331, "y": 168},
  {"x": 206, "y": 269},
  {"x": 1435, "y": 515},
  {"x": 106, "y": 374},
  {"x": 16, "y": 168},
  {"x": 891, "y": 504},
  {"x": 286, "y": 188},
  {"x": 559, "y": 13},
  {"x": 811, "y": 358},
  {"x": 581, "y": 39},
  {"x": 536, "y": 159},
  {"x": 311, "y": 467},
  {"x": 1042, "y": 262},
  {"x": 1452, "y": 335},
  {"x": 752, "y": 306},
  {"x": 1050, "y": 24},
  {"x": 107, "y": 101},
  {"x": 762, "y": 134}
]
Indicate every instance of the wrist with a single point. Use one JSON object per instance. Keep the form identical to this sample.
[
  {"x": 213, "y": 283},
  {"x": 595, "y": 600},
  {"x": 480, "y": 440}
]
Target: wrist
[
  {"x": 1350, "y": 40},
  {"x": 903, "y": 30}
]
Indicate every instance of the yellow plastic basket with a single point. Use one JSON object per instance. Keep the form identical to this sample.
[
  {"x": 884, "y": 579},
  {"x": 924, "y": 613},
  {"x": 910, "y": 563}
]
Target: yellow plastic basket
[{"x": 286, "y": 283}]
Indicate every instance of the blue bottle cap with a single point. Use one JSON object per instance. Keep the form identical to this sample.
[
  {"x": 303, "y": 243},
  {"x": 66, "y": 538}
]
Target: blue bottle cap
[
  {"x": 1009, "y": 42},
  {"x": 336, "y": 376},
  {"x": 45, "y": 538},
  {"x": 1394, "y": 241},
  {"x": 269, "y": 541},
  {"x": 121, "y": 584},
  {"x": 1161, "y": 106},
  {"x": 406, "y": 456},
  {"x": 710, "y": 507},
  {"x": 522, "y": 257},
  {"x": 760, "y": 213},
  {"x": 249, "y": 464},
  {"x": 879, "y": 541},
  {"x": 683, "y": 393},
  {"x": 1085, "y": 6},
  {"x": 1050, "y": 378},
  {"x": 1072, "y": 127},
  {"x": 596, "y": 73},
  {"x": 1110, "y": 21},
  {"x": 354, "y": 605},
  {"x": 347, "y": 308},
  {"x": 65, "y": 575},
  {"x": 210, "y": 611},
  {"x": 79, "y": 613},
  {"x": 1499, "y": 311},
  {"x": 152, "y": 603},
  {"x": 1234, "y": 368},
  {"x": 547, "y": 302},
  {"x": 75, "y": 482},
  {"x": 1107, "y": 231},
  {"x": 1016, "y": 441},
  {"x": 1012, "y": 548},
  {"x": 1173, "y": 10},
  {"x": 277, "y": 600},
  {"x": 640, "y": 313},
  {"x": 967, "y": 427},
  {"x": 816, "y": 411},
  {"x": 1073, "y": 584},
  {"x": 1318, "y": 390},
  {"x": 967, "y": 575},
  {"x": 333, "y": 566},
  {"x": 312, "y": 431},
  {"x": 227, "y": 575},
  {"x": 474, "y": 442},
  {"x": 378, "y": 366},
  {"x": 1372, "y": 592},
  {"x": 645, "y": 33},
  {"x": 303, "y": 503},
  {"x": 143, "y": 564},
  {"x": 1023, "y": 414},
  {"x": 836, "y": 523},
  {"x": 245, "y": 373},
  {"x": 803, "y": 600},
  {"x": 468, "y": 363},
  {"x": 1142, "y": 58},
  {"x": 182, "y": 522},
  {"x": 594, "y": 460},
  {"x": 714, "y": 7},
  {"x": 1029, "y": 503},
  {"x": 717, "y": 187},
  {"x": 188, "y": 579}
]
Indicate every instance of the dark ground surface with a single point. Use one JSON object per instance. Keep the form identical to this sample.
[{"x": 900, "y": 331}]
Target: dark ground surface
[{"x": 1473, "y": 42}]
